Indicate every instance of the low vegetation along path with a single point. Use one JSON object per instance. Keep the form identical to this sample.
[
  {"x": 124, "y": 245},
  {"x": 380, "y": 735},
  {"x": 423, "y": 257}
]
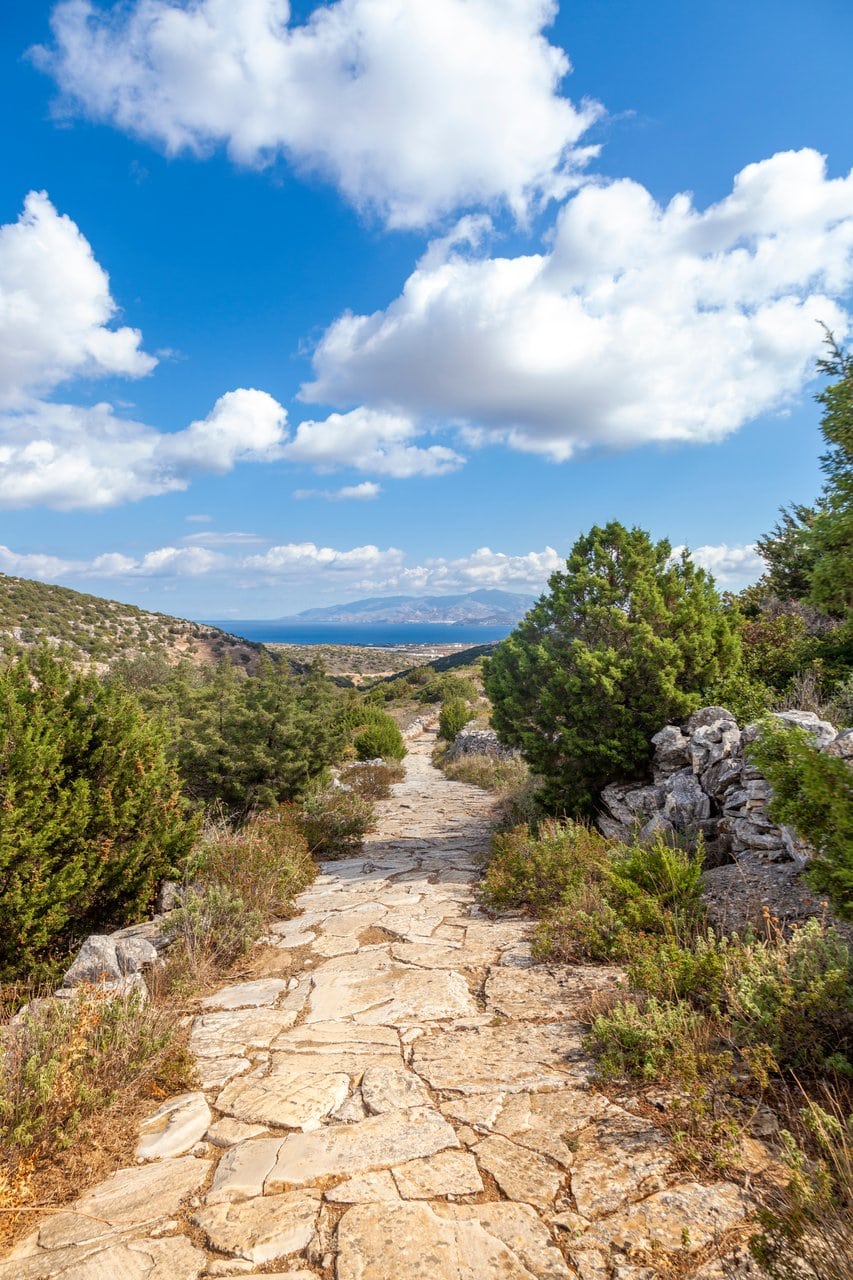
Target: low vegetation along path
[{"x": 411, "y": 1101}]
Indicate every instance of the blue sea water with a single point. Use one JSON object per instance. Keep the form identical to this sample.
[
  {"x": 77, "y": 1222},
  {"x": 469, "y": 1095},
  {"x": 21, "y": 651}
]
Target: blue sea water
[{"x": 271, "y": 632}]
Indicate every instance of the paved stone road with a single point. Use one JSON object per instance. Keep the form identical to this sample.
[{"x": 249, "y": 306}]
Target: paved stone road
[{"x": 413, "y": 1106}]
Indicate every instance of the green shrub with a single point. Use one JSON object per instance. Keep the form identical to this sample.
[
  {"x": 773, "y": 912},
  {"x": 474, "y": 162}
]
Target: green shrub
[
  {"x": 670, "y": 971},
  {"x": 380, "y": 739},
  {"x": 454, "y": 715},
  {"x": 210, "y": 929},
  {"x": 335, "y": 822},
  {"x": 813, "y": 793},
  {"x": 91, "y": 812},
  {"x": 537, "y": 871},
  {"x": 266, "y": 861},
  {"x": 371, "y": 779},
  {"x": 489, "y": 772},
  {"x": 625, "y": 640},
  {"x": 796, "y": 996},
  {"x": 651, "y": 1040},
  {"x": 655, "y": 887},
  {"x": 444, "y": 687}
]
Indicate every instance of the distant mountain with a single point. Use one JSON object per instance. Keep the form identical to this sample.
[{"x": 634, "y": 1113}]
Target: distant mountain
[
  {"x": 103, "y": 631},
  {"x": 486, "y": 608}
]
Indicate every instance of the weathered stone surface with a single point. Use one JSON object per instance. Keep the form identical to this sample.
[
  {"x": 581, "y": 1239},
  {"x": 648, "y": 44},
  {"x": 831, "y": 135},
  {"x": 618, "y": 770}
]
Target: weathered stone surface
[
  {"x": 243, "y": 1170},
  {"x": 227, "y": 1131},
  {"x": 488, "y": 1058},
  {"x": 520, "y": 1228},
  {"x": 96, "y": 961},
  {"x": 171, "y": 1259},
  {"x": 365, "y": 1188},
  {"x": 375, "y": 1143},
  {"x": 683, "y": 1217},
  {"x": 391, "y": 1088},
  {"x": 549, "y": 1122},
  {"x": 135, "y": 954},
  {"x": 247, "y": 995},
  {"x": 213, "y": 1073},
  {"x": 522, "y": 1175},
  {"x": 618, "y": 1158},
  {"x": 174, "y": 1128},
  {"x": 297, "y": 1100},
  {"x": 546, "y": 993},
  {"x": 390, "y": 997},
  {"x": 230, "y": 1034},
  {"x": 411, "y": 1240},
  {"x": 820, "y": 731},
  {"x": 447, "y": 1173},
  {"x": 138, "y": 1197},
  {"x": 261, "y": 1229}
]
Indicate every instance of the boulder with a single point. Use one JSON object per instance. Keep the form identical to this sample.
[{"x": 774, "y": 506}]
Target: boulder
[
  {"x": 821, "y": 731},
  {"x": 842, "y": 746},
  {"x": 135, "y": 955},
  {"x": 96, "y": 961},
  {"x": 671, "y": 752},
  {"x": 685, "y": 803},
  {"x": 705, "y": 716}
]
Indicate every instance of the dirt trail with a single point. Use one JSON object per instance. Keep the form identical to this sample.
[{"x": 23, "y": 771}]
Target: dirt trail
[{"x": 412, "y": 1104}]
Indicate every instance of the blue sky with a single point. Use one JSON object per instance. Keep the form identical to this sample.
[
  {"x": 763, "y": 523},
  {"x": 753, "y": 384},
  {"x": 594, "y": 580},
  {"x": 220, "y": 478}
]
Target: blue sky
[{"x": 375, "y": 297}]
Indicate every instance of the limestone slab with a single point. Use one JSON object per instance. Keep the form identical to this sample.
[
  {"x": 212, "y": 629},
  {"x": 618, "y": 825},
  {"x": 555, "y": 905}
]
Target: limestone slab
[
  {"x": 434, "y": 955},
  {"x": 290, "y": 1100},
  {"x": 243, "y": 1170},
  {"x": 246, "y": 995},
  {"x": 231, "y": 1033},
  {"x": 447, "y": 1173},
  {"x": 261, "y": 1229},
  {"x": 213, "y": 1073},
  {"x": 549, "y": 1122},
  {"x": 522, "y": 1175},
  {"x": 411, "y": 1240},
  {"x": 375, "y": 1143},
  {"x": 174, "y": 1128},
  {"x": 364, "y": 1188},
  {"x": 395, "y": 995},
  {"x": 392, "y": 1088},
  {"x": 227, "y": 1131},
  {"x": 521, "y": 1230},
  {"x": 688, "y": 1217},
  {"x": 618, "y": 1159},
  {"x": 487, "y": 1058},
  {"x": 172, "y": 1259},
  {"x": 136, "y": 1197},
  {"x": 537, "y": 992}
]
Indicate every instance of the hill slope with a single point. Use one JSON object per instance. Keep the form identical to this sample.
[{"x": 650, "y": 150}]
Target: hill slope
[{"x": 105, "y": 630}]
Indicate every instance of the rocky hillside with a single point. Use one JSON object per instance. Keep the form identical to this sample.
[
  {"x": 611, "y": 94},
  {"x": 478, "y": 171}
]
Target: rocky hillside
[
  {"x": 479, "y": 608},
  {"x": 103, "y": 630}
]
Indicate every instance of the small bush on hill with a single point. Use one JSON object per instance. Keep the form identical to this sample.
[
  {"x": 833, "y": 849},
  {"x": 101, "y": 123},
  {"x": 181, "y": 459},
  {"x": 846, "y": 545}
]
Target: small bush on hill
[
  {"x": 453, "y": 717},
  {"x": 91, "y": 812},
  {"x": 335, "y": 822},
  {"x": 625, "y": 641},
  {"x": 813, "y": 793},
  {"x": 380, "y": 738},
  {"x": 489, "y": 772},
  {"x": 374, "y": 781}
]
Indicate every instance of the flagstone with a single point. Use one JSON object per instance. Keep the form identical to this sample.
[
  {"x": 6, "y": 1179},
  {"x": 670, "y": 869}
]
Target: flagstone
[
  {"x": 243, "y": 1170},
  {"x": 297, "y": 1100},
  {"x": 174, "y": 1128},
  {"x": 263, "y": 1228},
  {"x": 246, "y": 995}
]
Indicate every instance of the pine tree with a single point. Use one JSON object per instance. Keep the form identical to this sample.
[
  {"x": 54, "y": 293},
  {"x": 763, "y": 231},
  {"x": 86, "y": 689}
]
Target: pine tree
[
  {"x": 624, "y": 642},
  {"x": 91, "y": 811}
]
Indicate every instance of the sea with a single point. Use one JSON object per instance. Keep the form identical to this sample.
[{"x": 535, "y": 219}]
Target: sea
[{"x": 389, "y": 635}]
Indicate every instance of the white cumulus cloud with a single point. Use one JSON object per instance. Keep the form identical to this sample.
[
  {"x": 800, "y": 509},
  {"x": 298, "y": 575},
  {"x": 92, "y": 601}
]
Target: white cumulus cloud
[
  {"x": 56, "y": 313},
  {"x": 364, "y": 492},
  {"x": 370, "y": 440},
  {"x": 68, "y": 457},
  {"x": 640, "y": 323},
  {"x": 411, "y": 107},
  {"x": 731, "y": 566},
  {"x": 56, "y": 308}
]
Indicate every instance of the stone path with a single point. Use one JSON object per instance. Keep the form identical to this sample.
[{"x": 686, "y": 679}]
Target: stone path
[{"x": 412, "y": 1104}]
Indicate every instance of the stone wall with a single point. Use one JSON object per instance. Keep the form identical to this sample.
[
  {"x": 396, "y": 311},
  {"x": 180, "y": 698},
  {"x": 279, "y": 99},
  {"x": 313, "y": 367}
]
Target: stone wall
[
  {"x": 702, "y": 783},
  {"x": 473, "y": 741}
]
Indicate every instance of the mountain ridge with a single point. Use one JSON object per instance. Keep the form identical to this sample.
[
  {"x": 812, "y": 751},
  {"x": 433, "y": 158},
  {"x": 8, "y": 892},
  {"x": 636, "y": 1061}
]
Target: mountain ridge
[{"x": 485, "y": 606}]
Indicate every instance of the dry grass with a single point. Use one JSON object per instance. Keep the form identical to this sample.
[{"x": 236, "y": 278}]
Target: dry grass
[
  {"x": 75, "y": 1076},
  {"x": 488, "y": 772}
]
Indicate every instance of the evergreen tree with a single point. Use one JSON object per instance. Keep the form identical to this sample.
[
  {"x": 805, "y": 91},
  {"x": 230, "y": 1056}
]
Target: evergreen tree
[
  {"x": 91, "y": 812},
  {"x": 624, "y": 642},
  {"x": 832, "y": 532}
]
